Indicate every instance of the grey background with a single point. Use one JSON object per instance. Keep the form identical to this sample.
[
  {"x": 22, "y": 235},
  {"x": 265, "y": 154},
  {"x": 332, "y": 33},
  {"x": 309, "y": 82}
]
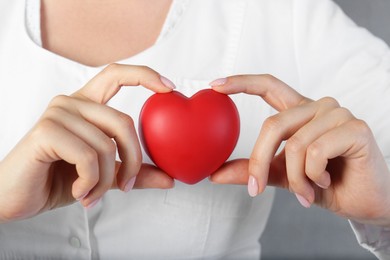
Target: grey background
[{"x": 297, "y": 233}]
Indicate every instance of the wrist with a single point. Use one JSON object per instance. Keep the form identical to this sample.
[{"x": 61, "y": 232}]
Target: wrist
[{"x": 380, "y": 219}]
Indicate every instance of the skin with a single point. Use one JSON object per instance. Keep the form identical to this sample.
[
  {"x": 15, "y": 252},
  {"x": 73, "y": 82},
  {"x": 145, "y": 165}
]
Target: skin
[
  {"x": 101, "y": 32},
  {"x": 330, "y": 157},
  {"x": 70, "y": 153}
]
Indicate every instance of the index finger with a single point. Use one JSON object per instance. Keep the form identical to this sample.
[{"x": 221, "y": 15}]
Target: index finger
[
  {"x": 274, "y": 91},
  {"x": 108, "y": 82}
]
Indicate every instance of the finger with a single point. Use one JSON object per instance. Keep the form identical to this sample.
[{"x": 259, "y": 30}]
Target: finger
[
  {"x": 60, "y": 144},
  {"x": 273, "y": 132},
  {"x": 236, "y": 172},
  {"x": 151, "y": 177},
  {"x": 103, "y": 145},
  {"x": 304, "y": 137},
  {"x": 326, "y": 114},
  {"x": 275, "y": 92},
  {"x": 114, "y": 124},
  {"x": 232, "y": 172},
  {"x": 120, "y": 127},
  {"x": 351, "y": 137},
  {"x": 107, "y": 83}
]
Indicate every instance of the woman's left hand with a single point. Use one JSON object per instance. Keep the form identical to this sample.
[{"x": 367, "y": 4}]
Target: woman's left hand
[{"x": 330, "y": 157}]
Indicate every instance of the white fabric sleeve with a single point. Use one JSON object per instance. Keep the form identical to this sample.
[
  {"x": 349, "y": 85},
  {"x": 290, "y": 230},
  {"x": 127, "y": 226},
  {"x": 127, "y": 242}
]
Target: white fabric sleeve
[
  {"x": 33, "y": 20},
  {"x": 337, "y": 58},
  {"x": 373, "y": 238}
]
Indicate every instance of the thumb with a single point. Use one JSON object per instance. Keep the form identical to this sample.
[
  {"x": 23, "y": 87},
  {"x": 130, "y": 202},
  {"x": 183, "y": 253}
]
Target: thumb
[
  {"x": 232, "y": 172},
  {"x": 236, "y": 172},
  {"x": 149, "y": 177}
]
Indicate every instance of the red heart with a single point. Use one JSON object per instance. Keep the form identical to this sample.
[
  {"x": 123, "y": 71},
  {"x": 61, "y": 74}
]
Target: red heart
[{"x": 189, "y": 138}]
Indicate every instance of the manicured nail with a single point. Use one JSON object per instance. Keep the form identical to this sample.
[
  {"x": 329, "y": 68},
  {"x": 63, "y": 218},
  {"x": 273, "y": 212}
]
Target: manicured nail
[
  {"x": 167, "y": 82},
  {"x": 93, "y": 203},
  {"x": 304, "y": 202},
  {"x": 322, "y": 186},
  {"x": 130, "y": 184},
  {"x": 253, "y": 187},
  {"x": 325, "y": 181},
  {"x": 82, "y": 196},
  {"x": 218, "y": 82}
]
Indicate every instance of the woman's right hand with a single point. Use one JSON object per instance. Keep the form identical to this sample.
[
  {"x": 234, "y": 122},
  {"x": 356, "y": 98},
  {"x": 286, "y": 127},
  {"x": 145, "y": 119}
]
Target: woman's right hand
[{"x": 70, "y": 153}]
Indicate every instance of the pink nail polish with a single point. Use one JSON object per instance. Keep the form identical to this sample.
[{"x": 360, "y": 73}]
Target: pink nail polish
[
  {"x": 218, "y": 82},
  {"x": 93, "y": 203},
  {"x": 322, "y": 186},
  {"x": 325, "y": 181},
  {"x": 253, "y": 187},
  {"x": 167, "y": 82},
  {"x": 304, "y": 202},
  {"x": 130, "y": 184},
  {"x": 82, "y": 196}
]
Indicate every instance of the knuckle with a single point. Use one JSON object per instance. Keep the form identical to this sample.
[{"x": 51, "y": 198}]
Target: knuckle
[
  {"x": 294, "y": 145},
  {"x": 54, "y": 112},
  {"x": 125, "y": 121},
  {"x": 271, "y": 79},
  {"x": 343, "y": 112},
  {"x": 59, "y": 101},
  {"x": 272, "y": 123},
  {"x": 360, "y": 125},
  {"x": 110, "y": 70},
  {"x": 329, "y": 102},
  {"x": 111, "y": 67},
  {"x": 314, "y": 151},
  {"x": 43, "y": 127},
  {"x": 90, "y": 157}
]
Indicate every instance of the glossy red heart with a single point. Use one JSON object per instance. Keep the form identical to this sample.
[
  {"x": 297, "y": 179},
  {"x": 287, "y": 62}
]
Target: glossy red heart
[{"x": 189, "y": 138}]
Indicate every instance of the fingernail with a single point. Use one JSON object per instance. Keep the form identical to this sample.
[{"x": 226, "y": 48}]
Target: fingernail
[
  {"x": 324, "y": 181},
  {"x": 218, "y": 82},
  {"x": 93, "y": 203},
  {"x": 304, "y": 202},
  {"x": 167, "y": 82},
  {"x": 130, "y": 184},
  {"x": 322, "y": 186},
  {"x": 253, "y": 187},
  {"x": 82, "y": 197}
]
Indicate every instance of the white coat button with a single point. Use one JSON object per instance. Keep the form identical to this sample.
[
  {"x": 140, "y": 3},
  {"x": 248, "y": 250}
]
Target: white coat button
[{"x": 75, "y": 242}]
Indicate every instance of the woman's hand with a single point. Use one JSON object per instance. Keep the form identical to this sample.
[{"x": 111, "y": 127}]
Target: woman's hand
[
  {"x": 70, "y": 153},
  {"x": 330, "y": 158}
]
